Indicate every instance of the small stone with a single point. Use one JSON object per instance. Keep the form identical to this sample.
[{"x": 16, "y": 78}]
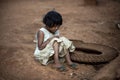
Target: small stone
[{"x": 118, "y": 25}]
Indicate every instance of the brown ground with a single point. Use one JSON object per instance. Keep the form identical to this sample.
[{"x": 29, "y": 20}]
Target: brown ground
[{"x": 20, "y": 19}]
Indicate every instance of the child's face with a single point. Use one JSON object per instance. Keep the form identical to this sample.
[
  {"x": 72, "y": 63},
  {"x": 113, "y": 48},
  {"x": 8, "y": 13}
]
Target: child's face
[{"x": 53, "y": 29}]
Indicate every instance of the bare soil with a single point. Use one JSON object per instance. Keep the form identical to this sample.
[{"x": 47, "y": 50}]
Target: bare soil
[{"x": 20, "y": 19}]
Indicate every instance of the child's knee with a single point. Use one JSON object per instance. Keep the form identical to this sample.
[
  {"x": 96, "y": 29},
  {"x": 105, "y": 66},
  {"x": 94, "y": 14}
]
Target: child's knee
[{"x": 55, "y": 44}]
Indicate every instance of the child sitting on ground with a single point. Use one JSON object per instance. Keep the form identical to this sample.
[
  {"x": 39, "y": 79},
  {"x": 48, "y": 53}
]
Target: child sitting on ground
[{"x": 51, "y": 44}]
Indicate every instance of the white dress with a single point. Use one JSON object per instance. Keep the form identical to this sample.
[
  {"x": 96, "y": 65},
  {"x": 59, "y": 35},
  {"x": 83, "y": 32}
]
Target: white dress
[{"x": 43, "y": 55}]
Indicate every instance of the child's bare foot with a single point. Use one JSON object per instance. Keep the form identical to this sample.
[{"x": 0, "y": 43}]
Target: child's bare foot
[
  {"x": 60, "y": 67},
  {"x": 73, "y": 66},
  {"x": 57, "y": 65}
]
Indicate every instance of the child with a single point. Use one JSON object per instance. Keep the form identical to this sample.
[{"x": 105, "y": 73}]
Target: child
[{"x": 50, "y": 44}]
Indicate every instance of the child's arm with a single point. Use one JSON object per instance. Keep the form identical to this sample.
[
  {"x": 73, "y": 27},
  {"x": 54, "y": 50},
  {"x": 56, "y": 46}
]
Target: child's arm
[{"x": 41, "y": 44}]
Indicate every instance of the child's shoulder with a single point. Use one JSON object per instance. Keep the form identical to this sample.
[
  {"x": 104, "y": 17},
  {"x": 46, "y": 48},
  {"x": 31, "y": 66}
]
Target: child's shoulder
[
  {"x": 41, "y": 29},
  {"x": 44, "y": 30}
]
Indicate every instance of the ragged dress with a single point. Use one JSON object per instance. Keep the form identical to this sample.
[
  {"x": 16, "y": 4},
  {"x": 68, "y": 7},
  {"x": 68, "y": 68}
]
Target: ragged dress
[{"x": 43, "y": 55}]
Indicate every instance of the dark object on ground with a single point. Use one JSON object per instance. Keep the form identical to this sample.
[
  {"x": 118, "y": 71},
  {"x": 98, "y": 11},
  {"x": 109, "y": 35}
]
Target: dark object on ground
[
  {"x": 118, "y": 25},
  {"x": 92, "y": 53}
]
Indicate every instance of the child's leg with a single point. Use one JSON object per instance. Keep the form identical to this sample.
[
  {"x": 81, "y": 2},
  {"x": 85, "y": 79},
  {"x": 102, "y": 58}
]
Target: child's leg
[
  {"x": 70, "y": 63},
  {"x": 56, "y": 55},
  {"x": 67, "y": 56}
]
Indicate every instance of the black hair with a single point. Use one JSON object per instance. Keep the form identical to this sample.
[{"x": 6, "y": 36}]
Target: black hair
[{"x": 52, "y": 18}]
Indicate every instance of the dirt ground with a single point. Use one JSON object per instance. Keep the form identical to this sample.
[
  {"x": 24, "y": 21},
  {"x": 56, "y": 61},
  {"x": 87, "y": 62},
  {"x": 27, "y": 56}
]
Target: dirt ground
[{"x": 20, "y": 19}]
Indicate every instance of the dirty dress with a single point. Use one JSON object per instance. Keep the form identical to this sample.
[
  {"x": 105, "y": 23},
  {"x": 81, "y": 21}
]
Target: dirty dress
[{"x": 43, "y": 55}]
